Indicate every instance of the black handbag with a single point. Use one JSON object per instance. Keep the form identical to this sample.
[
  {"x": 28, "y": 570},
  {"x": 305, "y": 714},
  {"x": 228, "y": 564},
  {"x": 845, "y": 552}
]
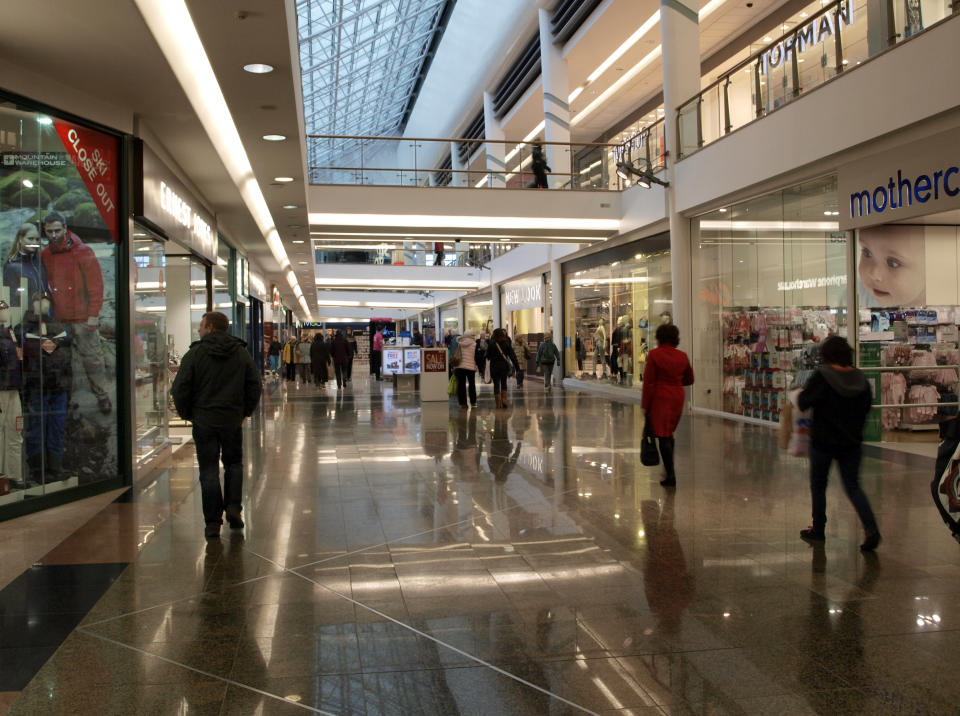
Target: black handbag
[{"x": 649, "y": 455}]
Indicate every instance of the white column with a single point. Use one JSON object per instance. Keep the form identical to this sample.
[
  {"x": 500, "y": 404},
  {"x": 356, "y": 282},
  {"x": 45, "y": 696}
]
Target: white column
[
  {"x": 556, "y": 109},
  {"x": 680, "y": 39},
  {"x": 459, "y": 177},
  {"x": 556, "y": 282},
  {"x": 495, "y": 297},
  {"x": 178, "y": 304},
  {"x": 461, "y": 322},
  {"x": 495, "y": 150}
]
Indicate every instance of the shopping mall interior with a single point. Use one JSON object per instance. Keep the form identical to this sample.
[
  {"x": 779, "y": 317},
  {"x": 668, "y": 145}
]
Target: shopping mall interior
[{"x": 398, "y": 177}]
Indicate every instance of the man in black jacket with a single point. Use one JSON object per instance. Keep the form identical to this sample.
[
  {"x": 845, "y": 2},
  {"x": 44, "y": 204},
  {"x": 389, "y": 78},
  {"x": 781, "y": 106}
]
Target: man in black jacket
[
  {"x": 840, "y": 397},
  {"x": 216, "y": 387}
]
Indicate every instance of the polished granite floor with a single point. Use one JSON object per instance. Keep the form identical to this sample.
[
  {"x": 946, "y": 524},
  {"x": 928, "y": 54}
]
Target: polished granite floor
[{"x": 399, "y": 560}]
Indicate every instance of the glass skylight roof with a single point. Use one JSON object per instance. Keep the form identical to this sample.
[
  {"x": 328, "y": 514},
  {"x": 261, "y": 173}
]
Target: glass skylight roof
[{"x": 359, "y": 61}]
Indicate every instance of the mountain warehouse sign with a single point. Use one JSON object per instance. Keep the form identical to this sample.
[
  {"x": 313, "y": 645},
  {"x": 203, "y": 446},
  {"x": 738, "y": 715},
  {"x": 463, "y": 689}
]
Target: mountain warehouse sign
[{"x": 914, "y": 179}]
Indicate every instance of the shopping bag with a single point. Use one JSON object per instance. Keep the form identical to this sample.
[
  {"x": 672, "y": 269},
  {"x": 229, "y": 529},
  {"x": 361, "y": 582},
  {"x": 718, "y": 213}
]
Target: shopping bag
[
  {"x": 946, "y": 480},
  {"x": 649, "y": 455},
  {"x": 452, "y": 385},
  {"x": 799, "y": 445},
  {"x": 785, "y": 429}
]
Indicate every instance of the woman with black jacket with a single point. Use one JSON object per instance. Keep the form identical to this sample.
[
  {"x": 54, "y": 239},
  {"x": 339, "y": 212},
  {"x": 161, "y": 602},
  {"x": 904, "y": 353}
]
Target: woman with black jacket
[
  {"x": 319, "y": 360},
  {"x": 500, "y": 356}
]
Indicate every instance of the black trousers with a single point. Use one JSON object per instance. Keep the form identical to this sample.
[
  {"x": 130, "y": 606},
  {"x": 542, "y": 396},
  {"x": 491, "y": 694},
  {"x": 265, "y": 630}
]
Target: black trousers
[
  {"x": 340, "y": 370},
  {"x": 499, "y": 378},
  {"x": 290, "y": 370},
  {"x": 666, "y": 446},
  {"x": 465, "y": 377},
  {"x": 350, "y": 367},
  {"x": 376, "y": 362},
  {"x": 216, "y": 445}
]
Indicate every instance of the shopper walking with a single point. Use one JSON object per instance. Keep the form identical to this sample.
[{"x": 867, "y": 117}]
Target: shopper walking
[
  {"x": 303, "y": 360},
  {"x": 216, "y": 388},
  {"x": 341, "y": 357},
  {"x": 667, "y": 372},
  {"x": 290, "y": 359},
  {"x": 466, "y": 369},
  {"x": 501, "y": 356},
  {"x": 319, "y": 360},
  {"x": 547, "y": 357},
  {"x": 376, "y": 353},
  {"x": 524, "y": 354},
  {"x": 538, "y": 163},
  {"x": 482, "y": 344},
  {"x": 354, "y": 348},
  {"x": 840, "y": 398},
  {"x": 274, "y": 353}
]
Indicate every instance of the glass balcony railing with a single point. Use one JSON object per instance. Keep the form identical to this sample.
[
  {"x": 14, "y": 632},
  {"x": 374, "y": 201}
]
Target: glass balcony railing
[
  {"x": 404, "y": 253},
  {"x": 816, "y": 46},
  {"x": 395, "y": 161}
]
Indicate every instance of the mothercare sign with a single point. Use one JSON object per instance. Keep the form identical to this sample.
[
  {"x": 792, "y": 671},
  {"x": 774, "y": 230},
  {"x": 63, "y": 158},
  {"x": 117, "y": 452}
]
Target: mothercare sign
[{"x": 914, "y": 179}]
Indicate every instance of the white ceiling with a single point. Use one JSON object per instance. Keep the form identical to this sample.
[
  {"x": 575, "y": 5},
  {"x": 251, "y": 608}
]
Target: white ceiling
[{"x": 103, "y": 55}]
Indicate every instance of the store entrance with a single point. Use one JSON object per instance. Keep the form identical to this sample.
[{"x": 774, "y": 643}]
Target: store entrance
[{"x": 908, "y": 314}]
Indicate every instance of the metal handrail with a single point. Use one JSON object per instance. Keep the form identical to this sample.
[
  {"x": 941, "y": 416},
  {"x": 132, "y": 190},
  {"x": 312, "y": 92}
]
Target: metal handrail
[{"x": 461, "y": 140}]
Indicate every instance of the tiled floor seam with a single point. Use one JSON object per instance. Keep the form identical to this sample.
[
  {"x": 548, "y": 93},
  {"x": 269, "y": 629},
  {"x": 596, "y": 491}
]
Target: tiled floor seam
[
  {"x": 207, "y": 674},
  {"x": 438, "y": 641}
]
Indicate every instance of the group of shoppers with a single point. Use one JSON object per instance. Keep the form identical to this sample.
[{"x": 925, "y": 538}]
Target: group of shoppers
[
  {"x": 837, "y": 395},
  {"x": 503, "y": 357},
  {"x": 310, "y": 361}
]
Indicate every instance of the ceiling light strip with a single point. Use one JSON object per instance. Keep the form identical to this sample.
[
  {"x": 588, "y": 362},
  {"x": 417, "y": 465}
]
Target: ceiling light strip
[
  {"x": 173, "y": 28},
  {"x": 464, "y": 222}
]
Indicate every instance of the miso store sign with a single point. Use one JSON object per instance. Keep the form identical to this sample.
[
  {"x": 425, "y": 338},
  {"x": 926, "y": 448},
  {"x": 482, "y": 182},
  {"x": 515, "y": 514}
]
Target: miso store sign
[
  {"x": 915, "y": 179},
  {"x": 164, "y": 201}
]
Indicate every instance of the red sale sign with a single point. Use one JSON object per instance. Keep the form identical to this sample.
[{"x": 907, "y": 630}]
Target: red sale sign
[{"x": 95, "y": 155}]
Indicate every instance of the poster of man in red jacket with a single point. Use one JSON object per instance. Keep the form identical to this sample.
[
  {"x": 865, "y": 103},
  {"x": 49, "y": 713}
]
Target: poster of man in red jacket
[{"x": 73, "y": 274}]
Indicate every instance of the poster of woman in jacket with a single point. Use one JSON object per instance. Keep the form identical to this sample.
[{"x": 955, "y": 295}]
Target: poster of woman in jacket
[{"x": 59, "y": 232}]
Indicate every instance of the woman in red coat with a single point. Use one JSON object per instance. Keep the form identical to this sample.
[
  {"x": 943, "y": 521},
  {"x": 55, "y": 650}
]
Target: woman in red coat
[{"x": 668, "y": 371}]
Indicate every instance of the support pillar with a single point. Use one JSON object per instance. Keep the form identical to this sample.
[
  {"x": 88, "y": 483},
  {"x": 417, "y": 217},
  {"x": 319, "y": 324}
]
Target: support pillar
[
  {"x": 680, "y": 39},
  {"x": 458, "y": 176},
  {"x": 556, "y": 109},
  {"x": 495, "y": 148},
  {"x": 556, "y": 283},
  {"x": 461, "y": 323},
  {"x": 437, "y": 327},
  {"x": 495, "y": 297}
]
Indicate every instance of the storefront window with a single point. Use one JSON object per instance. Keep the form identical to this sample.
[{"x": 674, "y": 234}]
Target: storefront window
[
  {"x": 59, "y": 233},
  {"x": 612, "y": 311},
  {"x": 478, "y": 315},
  {"x": 150, "y": 344},
  {"x": 909, "y": 308},
  {"x": 450, "y": 322},
  {"x": 770, "y": 280}
]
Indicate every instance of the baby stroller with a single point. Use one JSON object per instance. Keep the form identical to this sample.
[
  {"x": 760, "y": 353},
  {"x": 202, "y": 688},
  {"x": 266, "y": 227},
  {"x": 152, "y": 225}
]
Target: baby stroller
[{"x": 946, "y": 482}]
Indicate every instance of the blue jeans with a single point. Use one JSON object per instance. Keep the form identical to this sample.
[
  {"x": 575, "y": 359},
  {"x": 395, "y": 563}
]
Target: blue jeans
[
  {"x": 213, "y": 446},
  {"x": 849, "y": 463},
  {"x": 274, "y": 362}
]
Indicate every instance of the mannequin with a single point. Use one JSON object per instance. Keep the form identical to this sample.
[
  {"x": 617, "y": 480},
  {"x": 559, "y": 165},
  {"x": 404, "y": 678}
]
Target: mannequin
[
  {"x": 11, "y": 416},
  {"x": 615, "y": 350},
  {"x": 600, "y": 347},
  {"x": 47, "y": 377}
]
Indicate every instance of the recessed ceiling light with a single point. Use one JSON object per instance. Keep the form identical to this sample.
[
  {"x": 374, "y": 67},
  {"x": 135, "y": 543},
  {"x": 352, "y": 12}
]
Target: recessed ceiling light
[
  {"x": 283, "y": 180},
  {"x": 274, "y": 137},
  {"x": 299, "y": 241},
  {"x": 302, "y": 263},
  {"x": 290, "y": 206},
  {"x": 44, "y": 120},
  {"x": 258, "y": 68},
  {"x": 768, "y": 39}
]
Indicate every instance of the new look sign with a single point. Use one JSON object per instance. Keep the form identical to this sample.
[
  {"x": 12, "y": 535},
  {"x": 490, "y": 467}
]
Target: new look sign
[{"x": 912, "y": 180}]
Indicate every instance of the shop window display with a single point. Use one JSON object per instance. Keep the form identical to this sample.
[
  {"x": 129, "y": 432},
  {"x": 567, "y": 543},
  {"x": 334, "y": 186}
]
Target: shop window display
[
  {"x": 478, "y": 315},
  {"x": 59, "y": 232},
  {"x": 150, "y": 344},
  {"x": 614, "y": 310},
  {"x": 770, "y": 282},
  {"x": 909, "y": 310}
]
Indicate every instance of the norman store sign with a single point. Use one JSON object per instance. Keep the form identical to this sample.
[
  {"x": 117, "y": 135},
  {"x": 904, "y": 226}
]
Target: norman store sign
[{"x": 911, "y": 180}]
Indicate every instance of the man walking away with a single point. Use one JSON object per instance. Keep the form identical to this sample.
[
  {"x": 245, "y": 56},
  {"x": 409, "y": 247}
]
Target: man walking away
[
  {"x": 840, "y": 397},
  {"x": 216, "y": 387},
  {"x": 547, "y": 356},
  {"x": 341, "y": 358}
]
